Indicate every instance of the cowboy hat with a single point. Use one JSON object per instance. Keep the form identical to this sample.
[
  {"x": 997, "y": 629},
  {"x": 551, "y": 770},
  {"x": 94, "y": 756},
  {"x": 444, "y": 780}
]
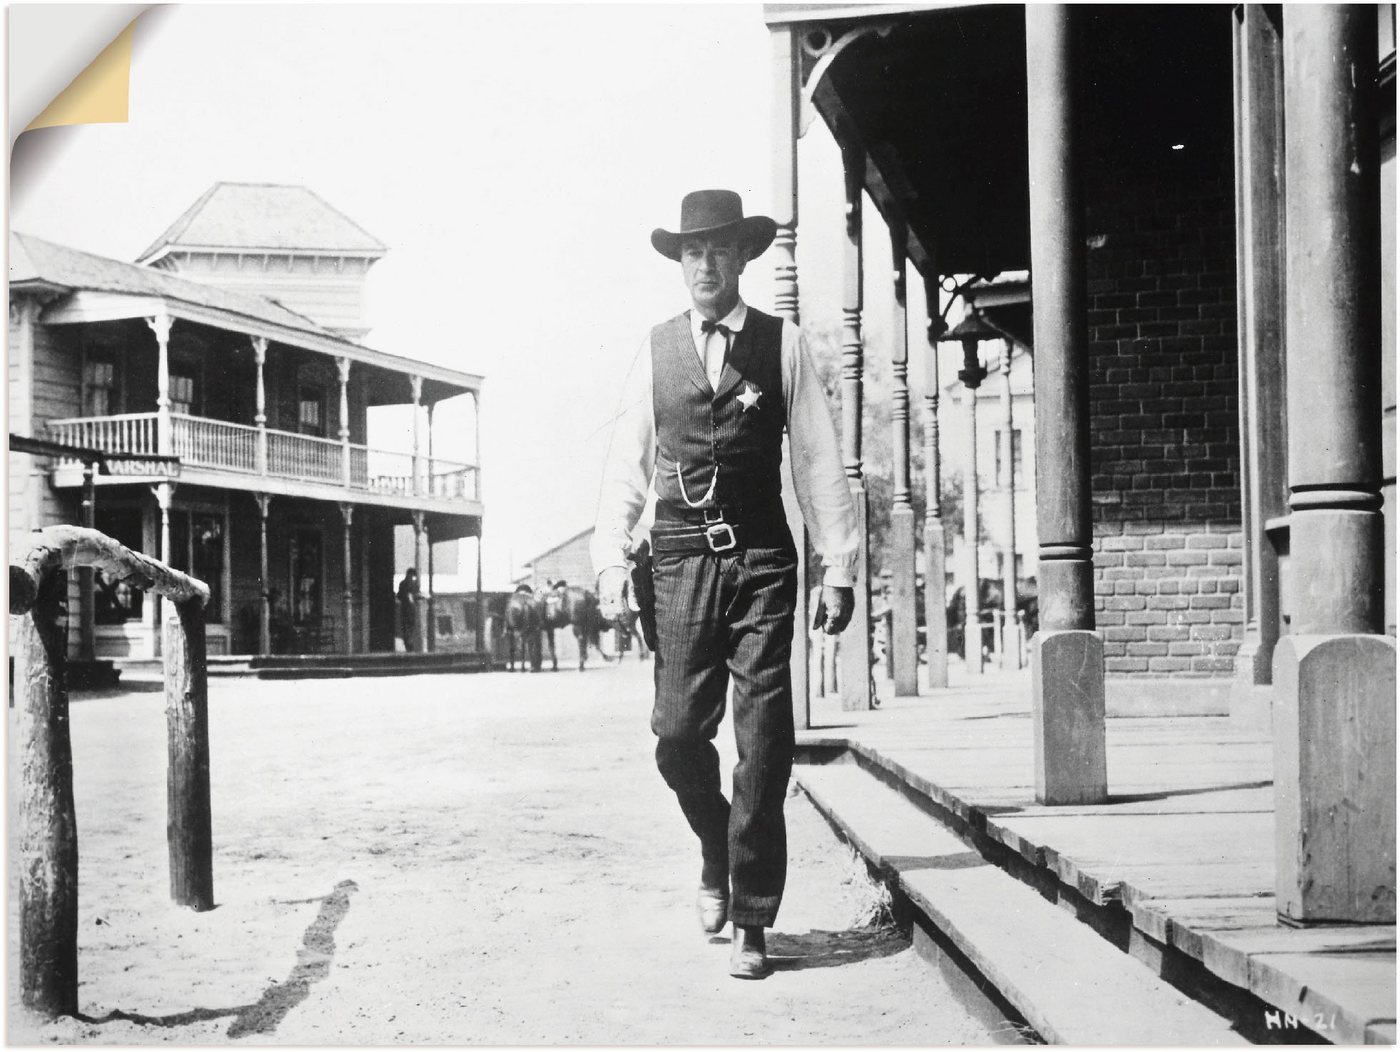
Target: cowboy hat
[{"x": 706, "y": 213}]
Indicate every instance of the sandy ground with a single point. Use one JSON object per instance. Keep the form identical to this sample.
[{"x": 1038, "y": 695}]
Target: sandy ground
[{"x": 486, "y": 859}]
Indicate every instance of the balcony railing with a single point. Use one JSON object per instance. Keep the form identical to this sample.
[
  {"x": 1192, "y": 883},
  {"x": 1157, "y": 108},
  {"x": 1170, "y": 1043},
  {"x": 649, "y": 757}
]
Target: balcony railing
[{"x": 235, "y": 447}]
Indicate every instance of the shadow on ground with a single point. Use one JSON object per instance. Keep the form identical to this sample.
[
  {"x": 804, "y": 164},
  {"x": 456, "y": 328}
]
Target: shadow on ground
[
  {"x": 266, "y": 1014},
  {"x": 832, "y": 949}
]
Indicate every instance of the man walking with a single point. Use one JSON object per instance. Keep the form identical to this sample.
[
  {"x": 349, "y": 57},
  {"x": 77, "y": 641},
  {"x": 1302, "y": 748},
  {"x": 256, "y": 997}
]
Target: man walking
[{"x": 704, "y": 411}]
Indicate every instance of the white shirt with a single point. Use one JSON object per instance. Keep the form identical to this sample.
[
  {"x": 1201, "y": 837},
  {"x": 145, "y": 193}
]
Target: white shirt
[{"x": 818, "y": 476}]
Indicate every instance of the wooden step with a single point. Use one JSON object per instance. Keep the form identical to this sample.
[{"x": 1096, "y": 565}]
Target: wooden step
[{"x": 1070, "y": 984}]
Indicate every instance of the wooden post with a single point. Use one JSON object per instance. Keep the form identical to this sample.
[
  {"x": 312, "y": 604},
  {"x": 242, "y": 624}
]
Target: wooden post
[
  {"x": 785, "y": 98},
  {"x": 476, "y": 444},
  {"x": 48, "y": 846},
  {"x": 431, "y": 489},
  {"x": 971, "y": 571},
  {"x": 1067, "y": 690},
  {"x": 856, "y": 685},
  {"x": 265, "y": 606},
  {"x": 48, "y": 831},
  {"x": 1010, "y": 645},
  {"x": 1334, "y": 673},
  {"x": 1259, "y": 166},
  {"x": 430, "y": 622},
  {"x": 87, "y": 598},
  {"x": 189, "y": 825},
  {"x": 343, "y": 368},
  {"x": 260, "y": 416},
  {"x": 347, "y": 513},
  {"x": 416, "y": 385},
  {"x": 480, "y": 599},
  {"x": 935, "y": 558},
  {"x": 164, "y": 493},
  {"x": 418, "y": 573},
  {"x": 902, "y": 652},
  {"x": 165, "y": 441}
]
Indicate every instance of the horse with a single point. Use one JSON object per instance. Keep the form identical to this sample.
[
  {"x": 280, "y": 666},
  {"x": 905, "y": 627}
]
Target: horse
[
  {"x": 566, "y": 605},
  {"x": 524, "y": 621},
  {"x": 628, "y": 627}
]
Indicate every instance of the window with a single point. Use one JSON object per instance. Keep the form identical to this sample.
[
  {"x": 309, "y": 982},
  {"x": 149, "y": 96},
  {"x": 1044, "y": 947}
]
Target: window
[
  {"x": 445, "y": 627},
  {"x": 311, "y": 405},
  {"x": 1002, "y": 480},
  {"x": 182, "y": 394},
  {"x": 99, "y": 387}
]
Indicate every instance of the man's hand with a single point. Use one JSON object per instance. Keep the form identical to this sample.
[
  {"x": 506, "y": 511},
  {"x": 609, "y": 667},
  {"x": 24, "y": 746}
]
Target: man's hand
[
  {"x": 614, "y": 584},
  {"x": 839, "y": 603}
]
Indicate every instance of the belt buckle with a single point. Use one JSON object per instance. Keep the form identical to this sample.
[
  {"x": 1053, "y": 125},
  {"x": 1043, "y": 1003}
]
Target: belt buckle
[{"x": 719, "y": 535}]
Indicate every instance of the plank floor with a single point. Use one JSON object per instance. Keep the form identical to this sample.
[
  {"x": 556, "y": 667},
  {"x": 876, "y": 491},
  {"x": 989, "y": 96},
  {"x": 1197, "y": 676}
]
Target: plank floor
[{"x": 1186, "y": 841}]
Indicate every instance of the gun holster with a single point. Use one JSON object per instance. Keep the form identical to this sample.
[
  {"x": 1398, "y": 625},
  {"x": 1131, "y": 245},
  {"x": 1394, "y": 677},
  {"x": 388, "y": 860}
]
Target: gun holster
[{"x": 644, "y": 591}]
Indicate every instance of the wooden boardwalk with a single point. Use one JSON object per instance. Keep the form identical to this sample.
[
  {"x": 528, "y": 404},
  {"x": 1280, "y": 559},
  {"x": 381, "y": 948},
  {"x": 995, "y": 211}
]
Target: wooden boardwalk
[{"x": 1185, "y": 844}]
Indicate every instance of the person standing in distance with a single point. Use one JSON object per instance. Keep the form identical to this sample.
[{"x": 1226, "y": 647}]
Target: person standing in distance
[{"x": 705, "y": 407}]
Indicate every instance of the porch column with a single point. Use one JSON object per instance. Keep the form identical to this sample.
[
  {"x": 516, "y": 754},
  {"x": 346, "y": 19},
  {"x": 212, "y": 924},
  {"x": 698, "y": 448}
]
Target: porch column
[
  {"x": 418, "y": 573},
  {"x": 265, "y": 606},
  {"x": 935, "y": 559},
  {"x": 480, "y": 599},
  {"x": 429, "y": 477},
  {"x": 476, "y": 445},
  {"x": 1259, "y": 281},
  {"x": 971, "y": 375},
  {"x": 416, "y": 383},
  {"x": 856, "y": 686},
  {"x": 165, "y": 439},
  {"x": 903, "y": 652},
  {"x": 1334, "y": 673},
  {"x": 430, "y": 635},
  {"x": 347, "y": 513},
  {"x": 260, "y": 414},
  {"x": 1067, "y": 691},
  {"x": 343, "y": 367},
  {"x": 87, "y": 599},
  {"x": 787, "y": 85},
  {"x": 164, "y": 493},
  {"x": 1011, "y": 639}
]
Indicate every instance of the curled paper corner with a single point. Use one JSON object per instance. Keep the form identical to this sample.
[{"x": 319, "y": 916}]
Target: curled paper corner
[{"x": 100, "y": 93}]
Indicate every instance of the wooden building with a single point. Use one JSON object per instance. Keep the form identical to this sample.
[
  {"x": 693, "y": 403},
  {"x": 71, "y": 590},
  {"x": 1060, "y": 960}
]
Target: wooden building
[
  {"x": 230, "y": 357},
  {"x": 1203, "y": 199}
]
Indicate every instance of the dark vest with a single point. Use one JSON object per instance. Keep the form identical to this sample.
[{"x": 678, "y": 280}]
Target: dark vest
[{"x": 701, "y": 429}]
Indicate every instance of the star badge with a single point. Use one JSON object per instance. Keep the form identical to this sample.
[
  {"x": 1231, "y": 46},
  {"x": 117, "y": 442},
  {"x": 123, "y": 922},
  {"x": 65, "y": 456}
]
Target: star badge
[{"x": 750, "y": 396}]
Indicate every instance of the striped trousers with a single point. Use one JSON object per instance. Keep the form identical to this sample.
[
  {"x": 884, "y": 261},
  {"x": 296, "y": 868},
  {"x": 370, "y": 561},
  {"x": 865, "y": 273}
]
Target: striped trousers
[{"x": 721, "y": 618}]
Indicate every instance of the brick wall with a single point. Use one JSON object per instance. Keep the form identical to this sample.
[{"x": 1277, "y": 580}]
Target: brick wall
[
  {"x": 1164, "y": 419},
  {"x": 1168, "y": 598}
]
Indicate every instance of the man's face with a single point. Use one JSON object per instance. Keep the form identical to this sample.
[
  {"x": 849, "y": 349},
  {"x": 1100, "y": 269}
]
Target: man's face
[{"x": 712, "y": 267}]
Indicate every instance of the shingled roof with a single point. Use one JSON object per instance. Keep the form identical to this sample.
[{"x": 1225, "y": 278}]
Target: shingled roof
[
  {"x": 35, "y": 261},
  {"x": 264, "y": 217}
]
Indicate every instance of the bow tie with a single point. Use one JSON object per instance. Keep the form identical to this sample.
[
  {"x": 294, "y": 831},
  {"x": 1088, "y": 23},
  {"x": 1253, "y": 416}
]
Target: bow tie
[{"x": 707, "y": 327}]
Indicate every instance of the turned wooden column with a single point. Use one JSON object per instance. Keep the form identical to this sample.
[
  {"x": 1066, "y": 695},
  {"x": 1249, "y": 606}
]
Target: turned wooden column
[
  {"x": 347, "y": 514},
  {"x": 1010, "y": 634},
  {"x": 416, "y": 385},
  {"x": 264, "y": 607},
  {"x": 903, "y": 652},
  {"x": 260, "y": 394},
  {"x": 418, "y": 534},
  {"x": 856, "y": 685},
  {"x": 1066, "y": 654},
  {"x": 87, "y": 595},
  {"x": 1259, "y": 165},
  {"x": 786, "y": 93},
  {"x": 972, "y": 374},
  {"x": 935, "y": 558},
  {"x": 1334, "y": 673},
  {"x": 343, "y": 368},
  {"x": 165, "y": 438}
]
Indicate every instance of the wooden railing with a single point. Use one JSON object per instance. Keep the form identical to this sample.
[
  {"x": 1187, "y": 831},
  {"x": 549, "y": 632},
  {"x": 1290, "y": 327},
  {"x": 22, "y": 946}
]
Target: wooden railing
[
  {"x": 305, "y": 457},
  {"x": 235, "y": 447},
  {"x": 127, "y": 433},
  {"x": 214, "y": 443},
  {"x": 47, "y": 858}
]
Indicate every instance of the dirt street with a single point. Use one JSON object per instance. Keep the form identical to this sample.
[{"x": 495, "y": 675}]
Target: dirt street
[{"x": 485, "y": 859}]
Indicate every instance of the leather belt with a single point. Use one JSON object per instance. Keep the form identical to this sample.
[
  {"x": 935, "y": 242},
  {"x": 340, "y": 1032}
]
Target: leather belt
[{"x": 717, "y": 537}]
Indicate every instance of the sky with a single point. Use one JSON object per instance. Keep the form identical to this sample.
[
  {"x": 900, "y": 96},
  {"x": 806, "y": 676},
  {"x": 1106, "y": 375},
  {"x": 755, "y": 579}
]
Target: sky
[{"x": 514, "y": 158}]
